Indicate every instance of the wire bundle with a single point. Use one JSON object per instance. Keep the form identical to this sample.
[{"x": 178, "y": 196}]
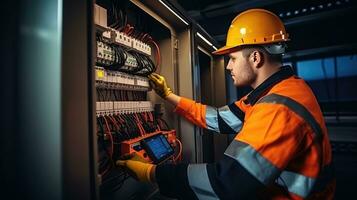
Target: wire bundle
[
  {"x": 112, "y": 130},
  {"x": 116, "y": 128},
  {"x": 146, "y": 38},
  {"x": 117, "y": 14},
  {"x": 127, "y": 125},
  {"x": 145, "y": 65},
  {"x": 106, "y": 94},
  {"x": 120, "y": 56}
]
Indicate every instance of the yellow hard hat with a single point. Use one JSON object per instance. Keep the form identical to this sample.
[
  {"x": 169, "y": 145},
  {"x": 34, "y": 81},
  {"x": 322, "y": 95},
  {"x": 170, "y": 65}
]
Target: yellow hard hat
[{"x": 254, "y": 26}]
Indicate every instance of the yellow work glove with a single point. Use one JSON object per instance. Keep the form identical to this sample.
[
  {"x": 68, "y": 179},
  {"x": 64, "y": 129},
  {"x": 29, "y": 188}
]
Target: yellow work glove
[
  {"x": 159, "y": 84},
  {"x": 136, "y": 166}
]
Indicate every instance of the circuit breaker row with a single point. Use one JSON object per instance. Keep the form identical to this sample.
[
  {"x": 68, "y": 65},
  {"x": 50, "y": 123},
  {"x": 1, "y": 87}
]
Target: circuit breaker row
[
  {"x": 106, "y": 54},
  {"x": 127, "y": 41},
  {"x": 117, "y": 79},
  {"x": 109, "y": 107}
]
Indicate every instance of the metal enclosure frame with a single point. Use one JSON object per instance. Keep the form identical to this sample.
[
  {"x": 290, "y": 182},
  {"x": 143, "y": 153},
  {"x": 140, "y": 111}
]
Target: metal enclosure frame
[
  {"x": 78, "y": 105},
  {"x": 219, "y": 87}
]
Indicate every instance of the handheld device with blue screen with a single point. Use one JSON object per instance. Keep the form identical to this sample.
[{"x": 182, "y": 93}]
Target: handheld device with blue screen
[{"x": 157, "y": 148}]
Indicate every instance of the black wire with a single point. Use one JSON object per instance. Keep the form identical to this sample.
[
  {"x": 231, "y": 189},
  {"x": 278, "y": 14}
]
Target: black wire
[
  {"x": 115, "y": 95},
  {"x": 101, "y": 95},
  {"x": 113, "y": 13},
  {"x": 105, "y": 161},
  {"x": 124, "y": 133},
  {"x": 120, "y": 58},
  {"x": 134, "y": 129},
  {"x": 120, "y": 95},
  {"x": 140, "y": 63},
  {"x": 148, "y": 66},
  {"x": 112, "y": 95},
  {"x": 118, "y": 14},
  {"x": 99, "y": 37},
  {"x": 100, "y": 125},
  {"x": 151, "y": 123},
  {"x": 167, "y": 126}
]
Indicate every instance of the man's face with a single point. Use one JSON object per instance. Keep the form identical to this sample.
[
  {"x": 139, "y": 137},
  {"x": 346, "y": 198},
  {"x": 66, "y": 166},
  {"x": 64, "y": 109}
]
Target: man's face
[{"x": 240, "y": 69}]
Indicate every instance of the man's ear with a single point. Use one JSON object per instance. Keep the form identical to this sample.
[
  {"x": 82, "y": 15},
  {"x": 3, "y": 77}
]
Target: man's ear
[{"x": 257, "y": 59}]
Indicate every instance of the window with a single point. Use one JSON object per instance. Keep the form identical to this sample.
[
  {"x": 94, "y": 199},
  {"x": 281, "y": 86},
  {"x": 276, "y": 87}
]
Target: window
[{"x": 333, "y": 80}]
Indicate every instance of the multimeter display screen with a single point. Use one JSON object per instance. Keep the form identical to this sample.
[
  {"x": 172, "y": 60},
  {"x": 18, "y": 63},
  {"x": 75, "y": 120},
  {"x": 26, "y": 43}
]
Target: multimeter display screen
[{"x": 158, "y": 147}]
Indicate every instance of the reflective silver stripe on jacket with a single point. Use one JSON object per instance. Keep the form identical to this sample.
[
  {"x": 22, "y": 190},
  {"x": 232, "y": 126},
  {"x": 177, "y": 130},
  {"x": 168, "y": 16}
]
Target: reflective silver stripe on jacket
[
  {"x": 296, "y": 183},
  {"x": 261, "y": 168},
  {"x": 226, "y": 114},
  {"x": 212, "y": 119}
]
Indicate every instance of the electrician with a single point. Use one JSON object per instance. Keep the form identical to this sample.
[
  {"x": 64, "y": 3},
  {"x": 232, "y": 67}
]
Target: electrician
[{"x": 281, "y": 149}]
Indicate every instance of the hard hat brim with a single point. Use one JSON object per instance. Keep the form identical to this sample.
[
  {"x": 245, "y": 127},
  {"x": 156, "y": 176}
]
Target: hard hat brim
[
  {"x": 229, "y": 49},
  {"x": 224, "y": 50}
]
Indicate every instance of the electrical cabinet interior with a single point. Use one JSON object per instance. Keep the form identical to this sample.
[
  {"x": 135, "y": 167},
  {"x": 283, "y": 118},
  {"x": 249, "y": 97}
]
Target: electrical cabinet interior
[{"x": 133, "y": 39}]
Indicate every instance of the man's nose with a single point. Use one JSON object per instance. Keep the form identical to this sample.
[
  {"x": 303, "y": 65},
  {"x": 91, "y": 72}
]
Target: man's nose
[{"x": 228, "y": 67}]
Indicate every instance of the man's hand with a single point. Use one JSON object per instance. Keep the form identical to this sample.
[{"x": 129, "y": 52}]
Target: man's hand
[
  {"x": 137, "y": 167},
  {"x": 159, "y": 84}
]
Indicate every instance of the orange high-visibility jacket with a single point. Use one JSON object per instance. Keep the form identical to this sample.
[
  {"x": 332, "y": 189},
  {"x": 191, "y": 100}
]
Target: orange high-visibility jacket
[{"x": 281, "y": 150}]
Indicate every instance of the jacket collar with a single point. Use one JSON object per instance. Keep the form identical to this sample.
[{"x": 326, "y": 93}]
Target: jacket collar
[{"x": 284, "y": 73}]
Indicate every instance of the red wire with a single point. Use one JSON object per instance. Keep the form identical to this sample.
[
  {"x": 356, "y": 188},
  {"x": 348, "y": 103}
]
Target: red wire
[
  {"x": 180, "y": 151},
  {"x": 126, "y": 28},
  {"x": 122, "y": 121},
  {"x": 110, "y": 137},
  {"x": 140, "y": 36},
  {"x": 144, "y": 36},
  {"x": 145, "y": 115},
  {"x": 114, "y": 121},
  {"x": 142, "y": 131},
  {"x": 151, "y": 117},
  {"x": 158, "y": 56},
  {"x": 142, "y": 127},
  {"x": 131, "y": 30}
]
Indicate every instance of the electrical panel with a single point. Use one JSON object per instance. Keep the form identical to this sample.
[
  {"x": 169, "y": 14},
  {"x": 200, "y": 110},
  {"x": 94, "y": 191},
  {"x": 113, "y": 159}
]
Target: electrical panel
[{"x": 127, "y": 120}]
